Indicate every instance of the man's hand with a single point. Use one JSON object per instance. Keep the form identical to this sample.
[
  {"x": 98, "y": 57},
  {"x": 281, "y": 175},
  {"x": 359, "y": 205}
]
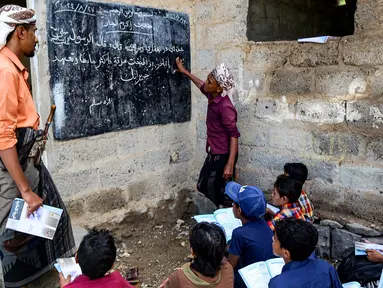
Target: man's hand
[
  {"x": 180, "y": 65},
  {"x": 228, "y": 171},
  {"x": 33, "y": 200},
  {"x": 374, "y": 256},
  {"x": 63, "y": 282}
]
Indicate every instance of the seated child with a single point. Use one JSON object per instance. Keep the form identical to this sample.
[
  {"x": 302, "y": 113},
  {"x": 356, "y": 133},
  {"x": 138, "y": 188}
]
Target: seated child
[
  {"x": 252, "y": 242},
  {"x": 299, "y": 172},
  {"x": 295, "y": 240},
  {"x": 208, "y": 268},
  {"x": 96, "y": 256},
  {"x": 285, "y": 196}
]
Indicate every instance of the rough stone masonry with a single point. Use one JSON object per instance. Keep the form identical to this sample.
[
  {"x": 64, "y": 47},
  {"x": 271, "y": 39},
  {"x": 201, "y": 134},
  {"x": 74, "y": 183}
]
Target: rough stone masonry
[{"x": 320, "y": 104}]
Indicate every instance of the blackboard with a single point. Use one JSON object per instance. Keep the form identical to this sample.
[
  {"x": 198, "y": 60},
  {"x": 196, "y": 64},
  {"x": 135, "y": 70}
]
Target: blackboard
[{"x": 112, "y": 67}]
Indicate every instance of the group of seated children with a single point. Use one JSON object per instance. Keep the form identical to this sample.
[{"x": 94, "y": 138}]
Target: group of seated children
[{"x": 291, "y": 237}]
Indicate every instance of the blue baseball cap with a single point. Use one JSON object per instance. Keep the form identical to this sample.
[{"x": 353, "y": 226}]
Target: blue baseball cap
[{"x": 250, "y": 199}]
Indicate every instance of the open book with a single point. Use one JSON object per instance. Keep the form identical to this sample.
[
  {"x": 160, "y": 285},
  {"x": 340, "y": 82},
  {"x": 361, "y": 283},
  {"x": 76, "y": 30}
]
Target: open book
[
  {"x": 273, "y": 208},
  {"x": 360, "y": 248},
  {"x": 381, "y": 281},
  {"x": 224, "y": 217},
  {"x": 68, "y": 266},
  {"x": 42, "y": 223},
  {"x": 258, "y": 275}
]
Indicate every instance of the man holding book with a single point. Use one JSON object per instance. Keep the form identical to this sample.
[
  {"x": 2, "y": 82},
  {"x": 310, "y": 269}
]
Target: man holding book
[{"x": 24, "y": 258}]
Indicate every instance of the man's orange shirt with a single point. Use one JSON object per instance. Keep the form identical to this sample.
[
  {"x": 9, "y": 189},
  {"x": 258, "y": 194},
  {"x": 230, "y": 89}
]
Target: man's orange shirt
[{"x": 17, "y": 109}]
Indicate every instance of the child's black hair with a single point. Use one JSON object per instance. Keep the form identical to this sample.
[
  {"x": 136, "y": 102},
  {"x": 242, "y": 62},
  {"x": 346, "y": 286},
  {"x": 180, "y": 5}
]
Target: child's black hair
[
  {"x": 297, "y": 236},
  {"x": 96, "y": 254},
  {"x": 208, "y": 243},
  {"x": 288, "y": 187},
  {"x": 297, "y": 171},
  {"x": 242, "y": 214}
]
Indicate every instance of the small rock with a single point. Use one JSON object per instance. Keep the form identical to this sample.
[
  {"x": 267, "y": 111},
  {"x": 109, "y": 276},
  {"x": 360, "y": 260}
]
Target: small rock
[
  {"x": 179, "y": 223},
  {"x": 124, "y": 246},
  {"x": 139, "y": 242},
  {"x": 331, "y": 224},
  {"x": 184, "y": 233},
  {"x": 362, "y": 230},
  {"x": 343, "y": 242},
  {"x": 183, "y": 244},
  {"x": 159, "y": 226}
]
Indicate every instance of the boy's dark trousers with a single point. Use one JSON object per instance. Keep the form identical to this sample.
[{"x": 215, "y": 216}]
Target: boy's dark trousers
[{"x": 211, "y": 182}]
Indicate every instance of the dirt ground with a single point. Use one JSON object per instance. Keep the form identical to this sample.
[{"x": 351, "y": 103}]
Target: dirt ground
[{"x": 157, "y": 250}]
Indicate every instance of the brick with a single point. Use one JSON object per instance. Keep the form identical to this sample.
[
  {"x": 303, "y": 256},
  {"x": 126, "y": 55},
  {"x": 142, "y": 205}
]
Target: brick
[
  {"x": 363, "y": 51},
  {"x": 253, "y": 133},
  {"x": 205, "y": 60},
  {"x": 254, "y": 80},
  {"x": 320, "y": 111},
  {"x": 293, "y": 139},
  {"x": 338, "y": 144},
  {"x": 79, "y": 182},
  {"x": 376, "y": 84},
  {"x": 260, "y": 177},
  {"x": 325, "y": 195},
  {"x": 310, "y": 55},
  {"x": 267, "y": 55},
  {"x": 322, "y": 169},
  {"x": 231, "y": 10},
  {"x": 204, "y": 11},
  {"x": 375, "y": 149},
  {"x": 201, "y": 129},
  {"x": 292, "y": 81},
  {"x": 367, "y": 16},
  {"x": 273, "y": 110},
  {"x": 369, "y": 203},
  {"x": 233, "y": 58},
  {"x": 270, "y": 159},
  {"x": 201, "y": 34},
  {"x": 361, "y": 177},
  {"x": 365, "y": 116},
  {"x": 341, "y": 83},
  {"x": 225, "y": 33}
]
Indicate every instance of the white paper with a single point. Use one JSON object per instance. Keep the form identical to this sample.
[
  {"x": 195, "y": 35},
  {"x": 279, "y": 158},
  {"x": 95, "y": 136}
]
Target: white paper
[
  {"x": 321, "y": 39},
  {"x": 351, "y": 285},
  {"x": 205, "y": 218},
  {"x": 273, "y": 208},
  {"x": 360, "y": 248},
  {"x": 42, "y": 223},
  {"x": 275, "y": 266},
  {"x": 256, "y": 275},
  {"x": 381, "y": 281}
]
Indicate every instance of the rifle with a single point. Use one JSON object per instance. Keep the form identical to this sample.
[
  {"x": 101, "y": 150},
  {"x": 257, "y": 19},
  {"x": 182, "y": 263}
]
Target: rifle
[{"x": 45, "y": 135}]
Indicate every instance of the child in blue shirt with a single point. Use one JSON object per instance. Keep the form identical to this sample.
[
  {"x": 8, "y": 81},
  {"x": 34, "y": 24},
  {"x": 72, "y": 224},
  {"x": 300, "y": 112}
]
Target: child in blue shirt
[
  {"x": 295, "y": 240},
  {"x": 252, "y": 242}
]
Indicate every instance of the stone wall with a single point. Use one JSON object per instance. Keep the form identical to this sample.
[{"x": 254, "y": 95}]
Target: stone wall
[
  {"x": 320, "y": 104},
  {"x": 121, "y": 172},
  {"x": 270, "y": 20}
]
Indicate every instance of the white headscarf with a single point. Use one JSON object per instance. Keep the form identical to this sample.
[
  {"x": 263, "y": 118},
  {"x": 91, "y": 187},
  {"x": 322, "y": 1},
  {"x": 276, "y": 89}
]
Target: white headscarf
[
  {"x": 225, "y": 79},
  {"x": 12, "y": 15}
]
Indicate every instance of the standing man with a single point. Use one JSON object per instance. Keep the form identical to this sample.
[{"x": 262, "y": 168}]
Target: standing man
[
  {"x": 24, "y": 258},
  {"x": 222, "y": 132}
]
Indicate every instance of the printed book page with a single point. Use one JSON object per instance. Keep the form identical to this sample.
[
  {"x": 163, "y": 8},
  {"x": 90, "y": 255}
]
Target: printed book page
[
  {"x": 68, "y": 266},
  {"x": 360, "y": 248},
  {"x": 256, "y": 275},
  {"x": 275, "y": 266},
  {"x": 42, "y": 223},
  {"x": 205, "y": 218},
  {"x": 226, "y": 218}
]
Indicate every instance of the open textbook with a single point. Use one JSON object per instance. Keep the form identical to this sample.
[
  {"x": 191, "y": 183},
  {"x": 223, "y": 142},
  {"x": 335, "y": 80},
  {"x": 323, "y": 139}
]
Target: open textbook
[
  {"x": 360, "y": 248},
  {"x": 42, "y": 223},
  {"x": 224, "y": 217},
  {"x": 68, "y": 266},
  {"x": 258, "y": 275}
]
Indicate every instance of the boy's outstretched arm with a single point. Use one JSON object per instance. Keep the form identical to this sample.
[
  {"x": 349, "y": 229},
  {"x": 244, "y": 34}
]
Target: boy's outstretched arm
[
  {"x": 181, "y": 68},
  {"x": 233, "y": 260}
]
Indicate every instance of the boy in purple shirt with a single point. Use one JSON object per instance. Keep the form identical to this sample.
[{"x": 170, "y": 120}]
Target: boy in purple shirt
[{"x": 222, "y": 131}]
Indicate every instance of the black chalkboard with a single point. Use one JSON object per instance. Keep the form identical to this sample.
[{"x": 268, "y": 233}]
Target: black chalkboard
[{"x": 112, "y": 67}]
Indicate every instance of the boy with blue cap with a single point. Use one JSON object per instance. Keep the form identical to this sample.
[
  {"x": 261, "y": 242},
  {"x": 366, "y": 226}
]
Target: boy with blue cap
[{"x": 252, "y": 242}]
